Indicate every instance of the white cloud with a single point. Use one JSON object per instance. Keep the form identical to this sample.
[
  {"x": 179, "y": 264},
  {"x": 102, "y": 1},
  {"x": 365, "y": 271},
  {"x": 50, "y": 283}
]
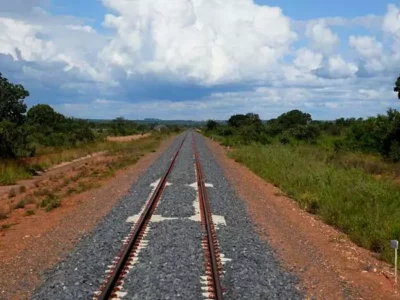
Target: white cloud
[
  {"x": 391, "y": 21},
  {"x": 321, "y": 36},
  {"x": 307, "y": 59},
  {"x": 199, "y": 45},
  {"x": 18, "y": 39},
  {"x": 105, "y": 101},
  {"x": 85, "y": 28},
  {"x": 336, "y": 67},
  {"x": 366, "y": 46},
  {"x": 204, "y": 41}
]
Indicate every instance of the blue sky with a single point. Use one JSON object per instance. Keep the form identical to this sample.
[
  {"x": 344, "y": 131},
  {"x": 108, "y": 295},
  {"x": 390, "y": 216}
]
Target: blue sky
[
  {"x": 312, "y": 9},
  {"x": 190, "y": 59}
]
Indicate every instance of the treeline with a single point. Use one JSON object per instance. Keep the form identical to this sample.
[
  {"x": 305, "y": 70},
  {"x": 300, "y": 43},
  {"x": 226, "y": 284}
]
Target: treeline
[
  {"x": 23, "y": 131},
  {"x": 380, "y": 134},
  {"x": 120, "y": 127}
]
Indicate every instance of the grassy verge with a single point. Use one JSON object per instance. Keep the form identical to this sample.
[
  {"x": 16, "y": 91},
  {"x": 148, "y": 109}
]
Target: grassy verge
[
  {"x": 348, "y": 198},
  {"x": 12, "y": 171},
  {"x": 49, "y": 194}
]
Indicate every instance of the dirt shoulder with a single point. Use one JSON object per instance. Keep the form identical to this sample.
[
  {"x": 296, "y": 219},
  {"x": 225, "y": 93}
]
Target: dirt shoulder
[
  {"x": 35, "y": 245},
  {"x": 328, "y": 264},
  {"x": 127, "y": 138}
]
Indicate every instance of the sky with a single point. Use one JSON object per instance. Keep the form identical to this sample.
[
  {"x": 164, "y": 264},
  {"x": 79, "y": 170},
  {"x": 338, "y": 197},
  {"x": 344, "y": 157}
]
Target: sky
[{"x": 203, "y": 59}]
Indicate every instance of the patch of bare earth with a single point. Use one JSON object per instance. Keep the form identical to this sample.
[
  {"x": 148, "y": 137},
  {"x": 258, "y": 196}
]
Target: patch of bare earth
[
  {"x": 57, "y": 171},
  {"x": 33, "y": 243},
  {"x": 328, "y": 264},
  {"x": 127, "y": 138}
]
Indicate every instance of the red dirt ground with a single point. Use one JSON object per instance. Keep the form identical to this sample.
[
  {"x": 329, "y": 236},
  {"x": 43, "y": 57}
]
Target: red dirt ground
[{"x": 36, "y": 243}]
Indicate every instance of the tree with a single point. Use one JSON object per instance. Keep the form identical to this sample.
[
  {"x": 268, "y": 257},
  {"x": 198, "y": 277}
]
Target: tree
[
  {"x": 14, "y": 141},
  {"x": 44, "y": 116},
  {"x": 211, "y": 125},
  {"x": 236, "y": 120},
  {"x": 13, "y": 136},
  {"x": 12, "y": 106},
  {"x": 293, "y": 118},
  {"x": 397, "y": 87},
  {"x": 305, "y": 132},
  {"x": 249, "y": 119}
]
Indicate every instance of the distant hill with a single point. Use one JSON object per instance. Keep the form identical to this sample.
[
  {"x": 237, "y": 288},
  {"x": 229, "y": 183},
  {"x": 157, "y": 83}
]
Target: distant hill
[{"x": 156, "y": 121}]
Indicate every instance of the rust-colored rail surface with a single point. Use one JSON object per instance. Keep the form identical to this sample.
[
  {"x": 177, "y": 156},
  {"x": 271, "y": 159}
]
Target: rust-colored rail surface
[
  {"x": 114, "y": 278},
  {"x": 213, "y": 262}
]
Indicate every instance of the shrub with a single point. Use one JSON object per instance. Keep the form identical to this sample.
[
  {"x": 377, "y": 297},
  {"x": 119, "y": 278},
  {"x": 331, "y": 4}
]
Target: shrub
[
  {"x": 3, "y": 215},
  {"x": 12, "y": 193},
  {"x": 50, "y": 202},
  {"x": 20, "y": 204},
  {"x": 30, "y": 212},
  {"x": 307, "y": 133}
]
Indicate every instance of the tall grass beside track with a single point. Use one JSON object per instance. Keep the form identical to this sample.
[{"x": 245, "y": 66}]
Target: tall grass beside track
[
  {"x": 13, "y": 170},
  {"x": 362, "y": 206}
]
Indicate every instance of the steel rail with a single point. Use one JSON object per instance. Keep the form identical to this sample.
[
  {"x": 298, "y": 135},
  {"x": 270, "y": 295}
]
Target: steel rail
[
  {"x": 108, "y": 289},
  {"x": 204, "y": 202}
]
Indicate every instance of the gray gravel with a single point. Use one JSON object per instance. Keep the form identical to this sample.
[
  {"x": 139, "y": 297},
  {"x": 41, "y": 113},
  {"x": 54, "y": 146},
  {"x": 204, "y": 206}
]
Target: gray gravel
[
  {"x": 171, "y": 265},
  {"x": 80, "y": 274},
  {"x": 254, "y": 272}
]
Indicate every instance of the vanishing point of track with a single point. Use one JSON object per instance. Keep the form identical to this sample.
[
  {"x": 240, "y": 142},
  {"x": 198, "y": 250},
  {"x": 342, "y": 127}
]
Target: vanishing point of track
[{"x": 213, "y": 265}]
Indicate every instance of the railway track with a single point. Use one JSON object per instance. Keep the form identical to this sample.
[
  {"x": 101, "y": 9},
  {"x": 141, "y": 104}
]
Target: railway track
[{"x": 213, "y": 267}]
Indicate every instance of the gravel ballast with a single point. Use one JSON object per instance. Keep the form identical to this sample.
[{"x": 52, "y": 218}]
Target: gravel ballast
[{"x": 172, "y": 263}]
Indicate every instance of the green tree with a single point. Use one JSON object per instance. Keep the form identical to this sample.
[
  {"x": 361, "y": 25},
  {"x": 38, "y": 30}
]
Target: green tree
[
  {"x": 119, "y": 126},
  {"x": 249, "y": 119},
  {"x": 44, "y": 116},
  {"x": 12, "y": 106},
  {"x": 397, "y": 87},
  {"x": 379, "y": 134},
  {"x": 307, "y": 133},
  {"x": 211, "y": 125},
  {"x": 293, "y": 118},
  {"x": 236, "y": 120},
  {"x": 13, "y": 136}
]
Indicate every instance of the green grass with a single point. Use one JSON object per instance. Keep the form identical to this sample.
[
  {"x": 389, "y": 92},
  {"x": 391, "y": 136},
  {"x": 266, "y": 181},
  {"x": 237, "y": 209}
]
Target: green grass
[
  {"x": 50, "y": 202},
  {"x": 5, "y": 226},
  {"x": 30, "y": 212},
  {"x": 12, "y": 170},
  {"x": 20, "y": 204},
  {"x": 365, "y": 208}
]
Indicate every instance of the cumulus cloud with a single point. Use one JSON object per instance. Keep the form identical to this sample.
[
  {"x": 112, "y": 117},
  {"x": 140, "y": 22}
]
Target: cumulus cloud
[
  {"x": 84, "y": 28},
  {"x": 18, "y": 39},
  {"x": 336, "y": 67},
  {"x": 204, "y": 41},
  {"x": 307, "y": 59},
  {"x": 197, "y": 59},
  {"x": 366, "y": 46},
  {"x": 391, "y": 21},
  {"x": 321, "y": 36}
]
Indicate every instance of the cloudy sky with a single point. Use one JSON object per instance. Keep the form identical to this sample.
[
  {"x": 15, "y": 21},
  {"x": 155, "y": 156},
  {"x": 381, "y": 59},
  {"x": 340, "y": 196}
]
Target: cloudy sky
[{"x": 201, "y": 59}]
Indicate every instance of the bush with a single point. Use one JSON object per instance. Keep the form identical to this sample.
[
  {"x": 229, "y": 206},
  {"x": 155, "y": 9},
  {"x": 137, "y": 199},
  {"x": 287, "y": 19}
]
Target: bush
[
  {"x": 50, "y": 202},
  {"x": 20, "y": 204},
  {"x": 379, "y": 134},
  {"x": 308, "y": 133}
]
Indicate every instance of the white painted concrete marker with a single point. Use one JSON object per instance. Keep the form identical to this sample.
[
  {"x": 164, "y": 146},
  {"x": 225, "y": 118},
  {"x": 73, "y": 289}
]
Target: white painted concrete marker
[
  {"x": 143, "y": 242},
  {"x": 217, "y": 220}
]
